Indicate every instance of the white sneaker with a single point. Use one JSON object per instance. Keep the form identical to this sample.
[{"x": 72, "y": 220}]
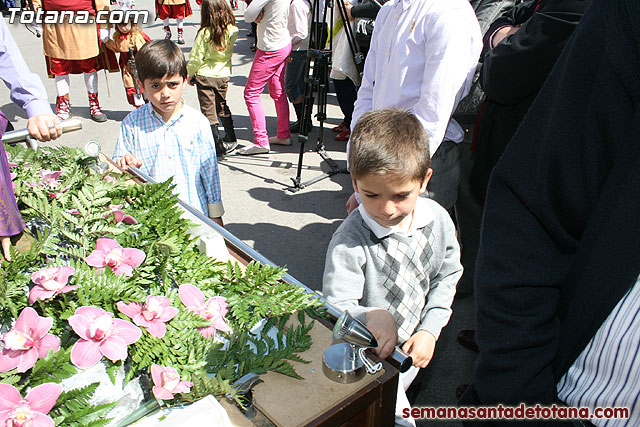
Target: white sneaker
[
  {"x": 252, "y": 149},
  {"x": 279, "y": 141}
]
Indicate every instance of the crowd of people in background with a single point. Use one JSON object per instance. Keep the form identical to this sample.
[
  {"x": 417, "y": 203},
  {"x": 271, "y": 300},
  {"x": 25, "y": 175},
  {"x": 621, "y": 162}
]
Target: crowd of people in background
[{"x": 550, "y": 111}]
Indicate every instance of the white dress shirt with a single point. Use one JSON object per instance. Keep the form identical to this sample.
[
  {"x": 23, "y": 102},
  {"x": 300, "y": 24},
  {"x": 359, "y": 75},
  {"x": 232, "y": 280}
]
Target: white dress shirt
[
  {"x": 422, "y": 58},
  {"x": 299, "y": 24},
  {"x": 273, "y": 33}
]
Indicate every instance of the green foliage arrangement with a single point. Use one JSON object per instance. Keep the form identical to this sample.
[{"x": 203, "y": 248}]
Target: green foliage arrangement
[{"x": 69, "y": 209}]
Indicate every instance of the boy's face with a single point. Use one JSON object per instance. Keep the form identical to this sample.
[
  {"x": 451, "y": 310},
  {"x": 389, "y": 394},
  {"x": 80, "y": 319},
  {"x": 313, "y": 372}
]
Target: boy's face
[
  {"x": 389, "y": 198},
  {"x": 165, "y": 94}
]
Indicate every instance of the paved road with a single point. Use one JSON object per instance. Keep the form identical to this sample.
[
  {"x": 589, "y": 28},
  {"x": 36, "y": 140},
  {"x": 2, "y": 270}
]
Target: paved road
[{"x": 291, "y": 229}]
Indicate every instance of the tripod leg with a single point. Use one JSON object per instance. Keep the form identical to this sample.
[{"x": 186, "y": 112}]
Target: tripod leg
[{"x": 307, "y": 106}]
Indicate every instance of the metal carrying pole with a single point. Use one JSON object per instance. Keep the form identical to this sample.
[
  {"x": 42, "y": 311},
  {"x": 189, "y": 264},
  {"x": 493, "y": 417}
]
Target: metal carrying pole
[
  {"x": 399, "y": 358},
  {"x": 16, "y": 136}
]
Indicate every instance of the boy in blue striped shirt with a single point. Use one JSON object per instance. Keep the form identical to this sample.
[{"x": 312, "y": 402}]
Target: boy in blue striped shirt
[{"x": 166, "y": 138}]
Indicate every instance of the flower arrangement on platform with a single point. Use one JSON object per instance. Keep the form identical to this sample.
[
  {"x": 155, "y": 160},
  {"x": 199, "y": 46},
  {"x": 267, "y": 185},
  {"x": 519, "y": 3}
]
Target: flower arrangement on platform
[{"x": 113, "y": 277}]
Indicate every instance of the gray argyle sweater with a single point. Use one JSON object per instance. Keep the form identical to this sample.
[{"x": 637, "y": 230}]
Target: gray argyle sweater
[{"x": 413, "y": 275}]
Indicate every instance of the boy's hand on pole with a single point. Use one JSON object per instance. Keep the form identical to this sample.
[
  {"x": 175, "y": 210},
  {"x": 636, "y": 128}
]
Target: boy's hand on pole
[
  {"x": 128, "y": 160},
  {"x": 383, "y": 326},
  {"x": 420, "y": 347}
]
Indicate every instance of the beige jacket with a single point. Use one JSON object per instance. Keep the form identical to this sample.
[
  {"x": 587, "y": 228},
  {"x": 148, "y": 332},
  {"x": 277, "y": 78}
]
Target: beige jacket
[{"x": 71, "y": 41}]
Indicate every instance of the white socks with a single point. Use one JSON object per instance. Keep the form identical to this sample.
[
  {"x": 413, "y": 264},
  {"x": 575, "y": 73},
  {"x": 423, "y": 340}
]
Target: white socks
[
  {"x": 62, "y": 84},
  {"x": 91, "y": 82}
]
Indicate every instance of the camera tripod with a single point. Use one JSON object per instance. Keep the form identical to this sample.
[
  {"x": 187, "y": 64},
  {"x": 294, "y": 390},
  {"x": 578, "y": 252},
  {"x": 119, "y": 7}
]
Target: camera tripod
[{"x": 318, "y": 82}]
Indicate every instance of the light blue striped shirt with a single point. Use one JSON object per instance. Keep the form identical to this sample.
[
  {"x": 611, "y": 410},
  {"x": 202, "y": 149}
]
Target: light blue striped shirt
[
  {"x": 607, "y": 372},
  {"x": 182, "y": 148}
]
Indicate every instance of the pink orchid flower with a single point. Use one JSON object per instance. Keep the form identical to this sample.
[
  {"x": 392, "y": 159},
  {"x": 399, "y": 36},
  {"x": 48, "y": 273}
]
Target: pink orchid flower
[
  {"x": 27, "y": 341},
  {"x": 72, "y": 211},
  {"x": 59, "y": 193},
  {"x": 50, "y": 281},
  {"x": 152, "y": 316},
  {"x": 166, "y": 382},
  {"x": 13, "y": 176},
  {"x": 110, "y": 178},
  {"x": 49, "y": 178},
  {"x": 120, "y": 216},
  {"x": 32, "y": 410},
  {"x": 214, "y": 309},
  {"x": 100, "y": 335},
  {"x": 109, "y": 253},
  {"x": 9, "y": 160}
]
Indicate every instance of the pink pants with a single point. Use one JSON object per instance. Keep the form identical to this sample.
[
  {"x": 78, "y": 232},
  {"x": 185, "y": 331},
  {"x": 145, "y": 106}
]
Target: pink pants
[{"x": 268, "y": 67}]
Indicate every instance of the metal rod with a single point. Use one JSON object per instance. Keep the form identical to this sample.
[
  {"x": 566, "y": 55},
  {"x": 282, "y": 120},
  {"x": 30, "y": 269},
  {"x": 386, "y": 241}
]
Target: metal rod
[
  {"x": 401, "y": 359},
  {"x": 20, "y": 135}
]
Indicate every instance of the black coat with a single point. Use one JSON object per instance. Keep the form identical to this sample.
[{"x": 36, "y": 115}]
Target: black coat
[
  {"x": 513, "y": 72},
  {"x": 561, "y": 229}
]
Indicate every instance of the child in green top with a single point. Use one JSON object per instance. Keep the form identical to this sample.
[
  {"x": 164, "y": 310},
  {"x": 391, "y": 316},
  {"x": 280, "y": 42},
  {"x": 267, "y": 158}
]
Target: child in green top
[{"x": 209, "y": 69}]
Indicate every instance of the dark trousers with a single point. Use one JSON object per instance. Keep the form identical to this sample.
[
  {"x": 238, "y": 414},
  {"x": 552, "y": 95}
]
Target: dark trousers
[{"x": 346, "y": 92}]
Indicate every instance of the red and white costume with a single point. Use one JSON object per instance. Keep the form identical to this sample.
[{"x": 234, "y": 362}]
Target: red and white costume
[
  {"x": 173, "y": 9},
  {"x": 75, "y": 49}
]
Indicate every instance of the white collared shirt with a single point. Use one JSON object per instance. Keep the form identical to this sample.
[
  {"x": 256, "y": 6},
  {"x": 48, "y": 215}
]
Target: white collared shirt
[
  {"x": 273, "y": 33},
  {"x": 299, "y": 24},
  {"x": 422, "y": 58},
  {"x": 422, "y": 215},
  {"x": 181, "y": 148}
]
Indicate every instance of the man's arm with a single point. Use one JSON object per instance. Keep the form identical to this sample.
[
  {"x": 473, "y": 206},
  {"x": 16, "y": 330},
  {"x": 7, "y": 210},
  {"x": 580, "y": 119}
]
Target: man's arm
[
  {"x": 518, "y": 65},
  {"x": 27, "y": 90}
]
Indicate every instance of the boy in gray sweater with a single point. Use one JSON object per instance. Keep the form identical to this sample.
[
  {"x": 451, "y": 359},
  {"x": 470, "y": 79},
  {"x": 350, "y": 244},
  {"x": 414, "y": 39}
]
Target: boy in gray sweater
[{"x": 395, "y": 261}]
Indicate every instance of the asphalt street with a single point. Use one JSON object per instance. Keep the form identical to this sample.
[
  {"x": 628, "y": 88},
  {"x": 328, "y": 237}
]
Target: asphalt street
[{"x": 292, "y": 229}]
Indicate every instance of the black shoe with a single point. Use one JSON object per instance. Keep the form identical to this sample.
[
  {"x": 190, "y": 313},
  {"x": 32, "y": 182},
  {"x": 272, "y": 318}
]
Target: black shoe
[
  {"x": 253, "y": 47},
  {"x": 467, "y": 338},
  {"x": 294, "y": 127},
  {"x": 460, "y": 390}
]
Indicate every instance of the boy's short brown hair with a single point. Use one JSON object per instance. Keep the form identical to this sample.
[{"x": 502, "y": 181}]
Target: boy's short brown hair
[
  {"x": 159, "y": 58},
  {"x": 389, "y": 141}
]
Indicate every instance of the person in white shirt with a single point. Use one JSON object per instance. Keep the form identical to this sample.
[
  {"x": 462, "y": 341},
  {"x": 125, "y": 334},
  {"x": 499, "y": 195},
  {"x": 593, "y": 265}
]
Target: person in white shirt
[
  {"x": 422, "y": 58},
  {"x": 273, "y": 49},
  {"x": 294, "y": 84}
]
